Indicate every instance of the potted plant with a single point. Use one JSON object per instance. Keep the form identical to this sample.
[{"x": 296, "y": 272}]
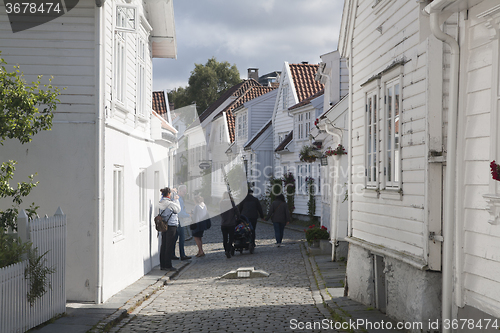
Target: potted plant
[
  {"x": 340, "y": 150},
  {"x": 495, "y": 170},
  {"x": 309, "y": 154},
  {"x": 314, "y": 234}
]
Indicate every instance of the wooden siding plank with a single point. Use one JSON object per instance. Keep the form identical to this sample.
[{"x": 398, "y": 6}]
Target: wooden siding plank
[
  {"x": 482, "y": 245},
  {"x": 395, "y": 223},
  {"x": 395, "y": 245}
]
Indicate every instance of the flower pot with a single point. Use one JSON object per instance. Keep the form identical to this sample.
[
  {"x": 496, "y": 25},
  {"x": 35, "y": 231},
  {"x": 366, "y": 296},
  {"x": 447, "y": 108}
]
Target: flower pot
[{"x": 315, "y": 243}]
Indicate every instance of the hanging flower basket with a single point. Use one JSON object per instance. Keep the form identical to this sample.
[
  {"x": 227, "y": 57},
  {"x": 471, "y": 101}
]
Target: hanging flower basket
[
  {"x": 340, "y": 150},
  {"x": 495, "y": 170},
  {"x": 316, "y": 123},
  {"x": 309, "y": 154}
]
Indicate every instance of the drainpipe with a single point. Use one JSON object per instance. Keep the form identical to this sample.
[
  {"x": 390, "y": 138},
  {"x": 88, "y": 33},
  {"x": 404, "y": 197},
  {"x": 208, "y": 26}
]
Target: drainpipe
[
  {"x": 100, "y": 108},
  {"x": 449, "y": 194}
]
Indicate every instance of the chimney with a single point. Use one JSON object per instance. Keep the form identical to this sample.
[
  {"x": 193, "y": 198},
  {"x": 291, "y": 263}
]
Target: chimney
[{"x": 253, "y": 73}]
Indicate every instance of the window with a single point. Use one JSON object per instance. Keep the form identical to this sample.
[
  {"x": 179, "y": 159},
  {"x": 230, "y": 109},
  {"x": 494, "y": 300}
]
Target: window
[
  {"x": 300, "y": 126},
  {"x": 118, "y": 200},
  {"x": 284, "y": 97},
  {"x": 157, "y": 187},
  {"x": 307, "y": 124},
  {"x": 119, "y": 69},
  {"x": 142, "y": 197},
  {"x": 392, "y": 160},
  {"x": 242, "y": 125},
  {"x": 371, "y": 138},
  {"x": 303, "y": 121},
  {"x": 126, "y": 18},
  {"x": 383, "y": 131},
  {"x": 303, "y": 171},
  {"x": 141, "y": 74},
  {"x": 281, "y": 137}
]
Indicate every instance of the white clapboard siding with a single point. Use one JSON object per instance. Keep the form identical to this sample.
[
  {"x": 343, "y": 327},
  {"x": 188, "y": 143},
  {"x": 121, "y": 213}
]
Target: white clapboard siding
[
  {"x": 395, "y": 224},
  {"x": 481, "y": 265},
  {"x": 62, "y": 48},
  {"x": 48, "y": 235}
]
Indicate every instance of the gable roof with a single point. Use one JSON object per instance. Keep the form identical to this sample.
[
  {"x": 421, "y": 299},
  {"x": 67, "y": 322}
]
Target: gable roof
[
  {"x": 248, "y": 95},
  {"x": 303, "y": 76},
  {"x": 236, "y": 91},
  {"x": 259, "y": 133},
  {"x": 307, "y": 100},
  {"x": 285, "y": 142}
]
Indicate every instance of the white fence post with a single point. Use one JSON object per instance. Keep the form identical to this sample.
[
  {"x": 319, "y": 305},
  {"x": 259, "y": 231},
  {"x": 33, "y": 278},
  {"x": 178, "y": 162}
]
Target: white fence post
[{"x": 22, "y": 226}]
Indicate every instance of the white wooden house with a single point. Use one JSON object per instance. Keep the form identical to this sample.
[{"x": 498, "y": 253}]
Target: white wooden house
[
  {"x": 107, "y": 154},
  {"x": 226, "y": 127},
  {"x": 423, "y": 121},
  {"x": 297, "y": 83},
  {"x": 304, "y": 115},
  {"x": 253, "y": 139},
  {"x": 208, "y": 140}
]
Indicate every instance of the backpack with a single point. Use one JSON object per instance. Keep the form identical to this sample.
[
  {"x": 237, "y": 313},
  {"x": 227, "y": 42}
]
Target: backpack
[{"x": 160, "y": 224}]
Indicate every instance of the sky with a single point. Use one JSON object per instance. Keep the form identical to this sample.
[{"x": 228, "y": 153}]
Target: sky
[{"x": 260, "y": 34}]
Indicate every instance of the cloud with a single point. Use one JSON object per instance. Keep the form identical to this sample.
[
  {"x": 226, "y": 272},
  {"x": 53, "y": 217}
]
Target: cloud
[{"x": 249, "y": 33}]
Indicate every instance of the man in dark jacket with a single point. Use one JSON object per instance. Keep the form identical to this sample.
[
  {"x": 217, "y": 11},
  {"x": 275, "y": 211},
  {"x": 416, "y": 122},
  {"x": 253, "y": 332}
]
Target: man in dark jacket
[{"x": 250, "y": 208}]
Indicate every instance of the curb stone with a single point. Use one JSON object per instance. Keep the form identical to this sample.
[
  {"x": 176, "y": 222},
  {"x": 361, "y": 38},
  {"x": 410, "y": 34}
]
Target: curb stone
[{"x": 113, "y": 320}]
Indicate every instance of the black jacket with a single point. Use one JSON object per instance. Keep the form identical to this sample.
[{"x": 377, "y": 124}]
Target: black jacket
[
  {"x": 250, "y": 207},
  {"x": 278, "y": 212}
]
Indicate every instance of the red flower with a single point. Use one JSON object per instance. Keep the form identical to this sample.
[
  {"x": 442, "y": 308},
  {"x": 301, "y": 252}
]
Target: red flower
[
  {"x": 495, "y": 170},
  {"x": 323, "y": 227}
]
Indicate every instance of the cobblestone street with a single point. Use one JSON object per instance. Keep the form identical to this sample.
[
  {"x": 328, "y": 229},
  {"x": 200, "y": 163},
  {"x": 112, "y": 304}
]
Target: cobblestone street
[{"x": 198, "y": 301}]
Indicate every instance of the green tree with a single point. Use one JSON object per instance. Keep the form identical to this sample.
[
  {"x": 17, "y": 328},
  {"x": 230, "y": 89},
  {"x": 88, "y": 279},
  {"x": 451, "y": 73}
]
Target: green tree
[
  {"x": 25, "y": 109},
  {"x": 206, "y": 84}
]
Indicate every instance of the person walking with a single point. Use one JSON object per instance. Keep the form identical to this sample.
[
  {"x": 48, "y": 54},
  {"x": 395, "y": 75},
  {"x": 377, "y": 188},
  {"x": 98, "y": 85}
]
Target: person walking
[
  {"x": 280, "y": 216},
  {"x": 250, "y": 208},
  {"x": 228, "y": 222},
  {"x": 169, "y": 209},
  {"x": 183, "y": 218},
  {"x": 202, "y": 223}
]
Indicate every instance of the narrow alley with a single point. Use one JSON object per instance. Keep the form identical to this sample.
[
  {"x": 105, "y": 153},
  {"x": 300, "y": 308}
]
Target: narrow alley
[{"x": 197, "y": 300}]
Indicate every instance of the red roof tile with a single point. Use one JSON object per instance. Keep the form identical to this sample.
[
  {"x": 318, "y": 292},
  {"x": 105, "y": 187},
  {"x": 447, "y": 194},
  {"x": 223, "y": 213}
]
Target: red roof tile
[
  {"x": 249, "y": 94},
  {"x": 303, "y": 79},
  {"x": 235, "y": 91},
  {"x": 159, "y": 103}
]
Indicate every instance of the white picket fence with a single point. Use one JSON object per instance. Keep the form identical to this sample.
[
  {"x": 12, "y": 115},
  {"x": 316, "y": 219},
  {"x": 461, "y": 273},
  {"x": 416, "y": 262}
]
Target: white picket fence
[{"x": 48, "y": 234}]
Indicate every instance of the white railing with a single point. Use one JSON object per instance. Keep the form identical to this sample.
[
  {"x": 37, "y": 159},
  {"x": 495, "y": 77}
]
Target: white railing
[{"x": 48, "y": 234}]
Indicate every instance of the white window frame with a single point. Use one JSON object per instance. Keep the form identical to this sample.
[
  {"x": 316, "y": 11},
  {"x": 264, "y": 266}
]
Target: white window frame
[
  {"x": 241, "y": 122},
  {"x": 126, "y": 13},
  {"x": 120, "y": 68},
  {"x": 372, "y": 103},
  {"x": 307, "y": 124},
  {"x": 392, "y": 115},
  {"x": 118, "y": 208},
  {"x": 285, "y": 97},
  {"x": 142, "y": 196},
  {"x": 142, "y": 55},
  {"x": 281, "y": 137}
]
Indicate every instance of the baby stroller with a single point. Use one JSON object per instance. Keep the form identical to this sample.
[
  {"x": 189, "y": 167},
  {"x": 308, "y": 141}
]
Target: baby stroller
[{"x": 243, "y": 236}]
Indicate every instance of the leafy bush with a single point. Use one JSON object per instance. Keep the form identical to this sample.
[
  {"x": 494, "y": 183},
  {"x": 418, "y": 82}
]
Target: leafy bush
[
  {"x": 37, "y": 273},
  {"x": 316, "y": 233},
  {"x": 12, "y": 249}
]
